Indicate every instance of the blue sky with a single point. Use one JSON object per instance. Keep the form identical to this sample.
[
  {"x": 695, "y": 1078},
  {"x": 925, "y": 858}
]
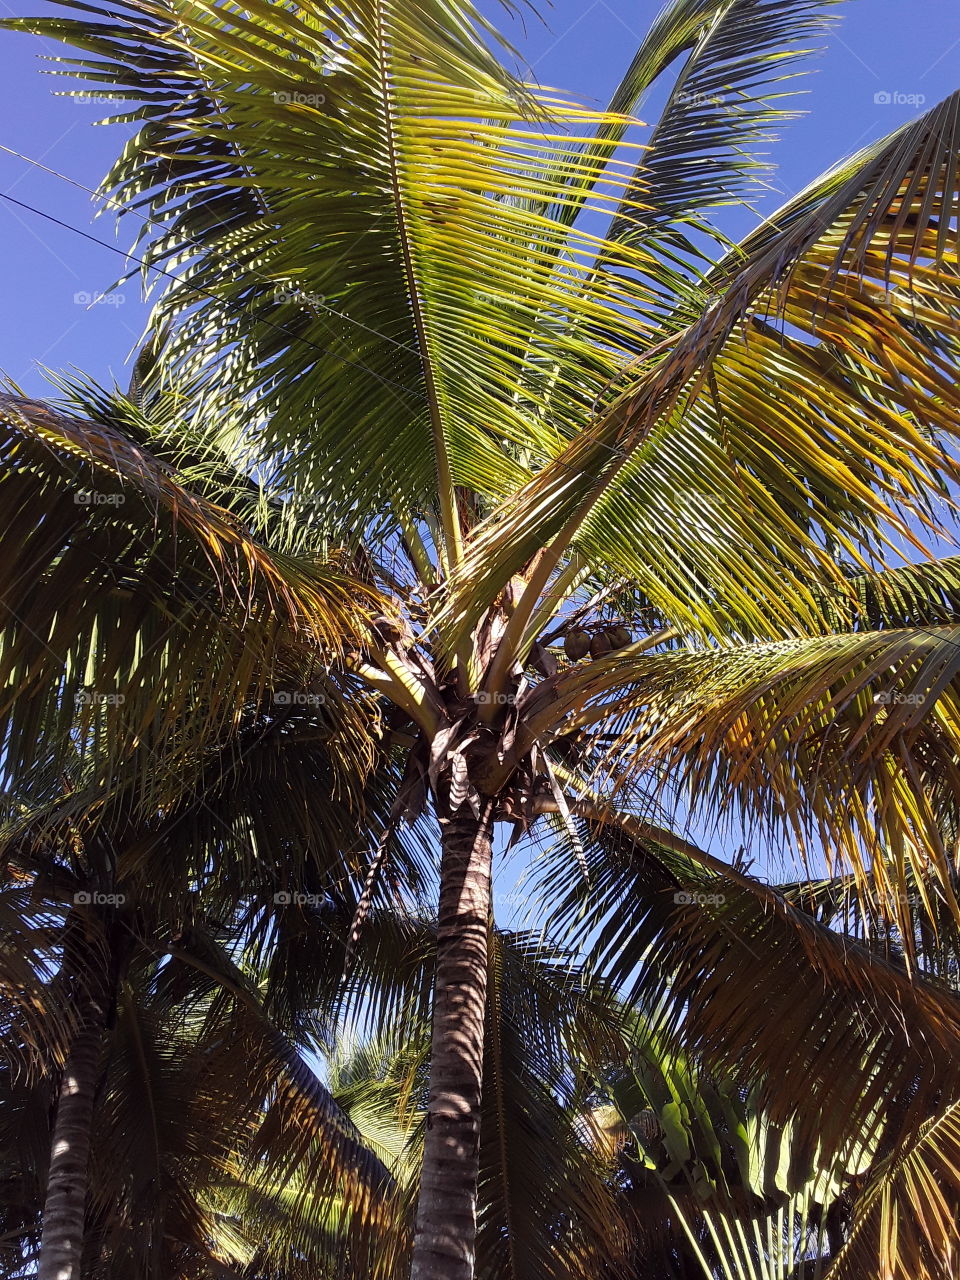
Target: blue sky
[{"x": 909, "y": 48}]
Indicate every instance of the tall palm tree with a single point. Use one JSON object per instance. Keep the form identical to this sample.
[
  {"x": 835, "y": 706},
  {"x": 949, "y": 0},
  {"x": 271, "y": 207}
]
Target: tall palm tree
[{"x": 395, "y": 304}]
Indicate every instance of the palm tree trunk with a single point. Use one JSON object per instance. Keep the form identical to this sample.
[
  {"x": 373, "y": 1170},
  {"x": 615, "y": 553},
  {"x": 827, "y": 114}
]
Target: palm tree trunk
[
  {"x": 61, "y": 1241},
  {"x": 445, "y": 1241}
]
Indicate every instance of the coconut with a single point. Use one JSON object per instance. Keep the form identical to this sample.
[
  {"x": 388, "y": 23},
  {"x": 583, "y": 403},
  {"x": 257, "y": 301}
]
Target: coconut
[
  {"x": 387, "y": 629},
  {"x": 576, "y": 644},
  {"x": 600, "y": 645},
  {"x": 619, "y": 637}
]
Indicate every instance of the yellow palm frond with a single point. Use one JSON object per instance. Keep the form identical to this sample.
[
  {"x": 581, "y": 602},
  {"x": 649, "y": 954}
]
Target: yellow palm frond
[{"x": 811, "y": 407}]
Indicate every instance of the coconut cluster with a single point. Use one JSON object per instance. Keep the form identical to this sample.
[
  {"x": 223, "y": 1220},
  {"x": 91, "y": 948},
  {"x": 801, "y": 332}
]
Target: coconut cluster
[{"x": 578, "y": 643}]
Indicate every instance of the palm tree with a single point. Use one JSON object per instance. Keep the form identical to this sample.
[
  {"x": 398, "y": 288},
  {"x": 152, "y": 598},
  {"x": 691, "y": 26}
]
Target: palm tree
[
  {"x": 606, "y": 1149},
  {"x": 196, "y": 1089},
  {"x": 546, "y": 1204},
  {"x": 197, "y": 1101},
  {"x": 141, "y": 589},
  {"x": 394, "y": 304}
]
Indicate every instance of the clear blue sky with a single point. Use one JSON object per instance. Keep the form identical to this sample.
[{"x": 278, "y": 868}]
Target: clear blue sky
[{"x": 910, "y": 47}]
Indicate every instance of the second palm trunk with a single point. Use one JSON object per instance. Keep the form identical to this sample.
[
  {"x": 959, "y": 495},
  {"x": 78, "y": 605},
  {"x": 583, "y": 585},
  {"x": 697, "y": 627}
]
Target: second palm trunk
[{"x": 61, "y": 1244}]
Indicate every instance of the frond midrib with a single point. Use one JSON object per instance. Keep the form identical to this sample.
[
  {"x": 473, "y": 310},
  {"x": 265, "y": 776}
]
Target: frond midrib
[{"x": 448, "y": 509}]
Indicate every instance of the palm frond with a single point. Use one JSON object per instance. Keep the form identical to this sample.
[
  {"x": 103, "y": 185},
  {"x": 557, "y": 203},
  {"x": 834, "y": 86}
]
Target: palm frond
[
  {"x": 834, "y": 1039},
  {"x": 139, "y": 618},
  {"x": 545, "y": 1206},
  {"x": 401, "y": 337},
  {"x": 802, "y": 413},
  {"x": 905, "y": 1219},
  {"x": 837, "y": 741},
  {"x": 730, "y": 92}
]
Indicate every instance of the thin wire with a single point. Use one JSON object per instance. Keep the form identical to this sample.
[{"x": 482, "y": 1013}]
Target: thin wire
[
  {"x": 153, "y": 222},
  {"x": 357, "y": 364},
  {"x": 617, "y": 452}
]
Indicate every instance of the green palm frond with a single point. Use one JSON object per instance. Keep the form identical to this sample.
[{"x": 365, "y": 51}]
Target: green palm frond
[
  {"x": 402, "y": 342},
  {"x": 381, "y": 1084},
  {"x": 737, "y": 59},
  {"x": 744, "y": 454},
  {"x": 714, "y": 1187},
  {"x": 287, "y": 1128},
  {"x": 203, "y": 1095},
  {"x": 35, "y": 1021},
  {"x": 925, "y": 594},
  {"x": 862, "y": 725},
  {"x": 429, "y": 508},
  {"x": 831, "y": 1037},
  {"x": 729, "y": 57}
]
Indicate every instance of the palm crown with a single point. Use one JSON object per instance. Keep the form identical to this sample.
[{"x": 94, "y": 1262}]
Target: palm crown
[{"x": 440, "y": 422}]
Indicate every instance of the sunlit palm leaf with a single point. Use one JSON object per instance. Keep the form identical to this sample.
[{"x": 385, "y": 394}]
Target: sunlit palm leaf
[
  {"x": 401, "y": 335},
  {"x": 722, "y": 482},
  {"x": 732, "y": 88},
  {"x": 906, "y": 1217},
  {"x": 862, "y": 724}
]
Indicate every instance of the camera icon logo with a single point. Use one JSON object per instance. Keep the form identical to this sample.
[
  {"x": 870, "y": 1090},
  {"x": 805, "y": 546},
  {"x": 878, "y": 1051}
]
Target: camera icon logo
[
  {"x": 97, "y": 899},
  {"x": 283, "y": 898},
  {"x": 683, "y": 898}
]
